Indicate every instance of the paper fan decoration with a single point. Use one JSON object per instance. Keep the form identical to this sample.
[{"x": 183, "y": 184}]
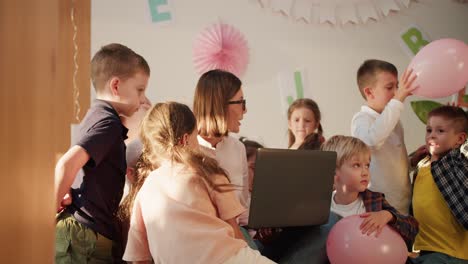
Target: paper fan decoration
[
  {"x": 335, "y": 11},
  {"x": 221, "y": 46}
]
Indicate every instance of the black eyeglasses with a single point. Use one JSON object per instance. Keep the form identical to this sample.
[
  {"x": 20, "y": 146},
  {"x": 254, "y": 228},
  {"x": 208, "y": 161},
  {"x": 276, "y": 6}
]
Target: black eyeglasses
[{"x": 243, "y": 102}]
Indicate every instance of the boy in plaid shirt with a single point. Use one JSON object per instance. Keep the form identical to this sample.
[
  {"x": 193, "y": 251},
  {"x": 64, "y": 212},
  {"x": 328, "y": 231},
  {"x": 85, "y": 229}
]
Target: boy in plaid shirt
[
  {"x": 352, "y": 197},
  {"x": 440, "y": 193}
]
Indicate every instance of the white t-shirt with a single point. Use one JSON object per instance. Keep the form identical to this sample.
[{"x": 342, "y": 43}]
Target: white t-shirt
[
  {"x": 383, "y": 134},
  {"x": 230, "y": 153},
  {"x": 344, "y": 210}
]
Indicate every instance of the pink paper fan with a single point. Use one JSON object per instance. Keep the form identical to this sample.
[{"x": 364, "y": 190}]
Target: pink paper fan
[{"x": 221, "y": 46}]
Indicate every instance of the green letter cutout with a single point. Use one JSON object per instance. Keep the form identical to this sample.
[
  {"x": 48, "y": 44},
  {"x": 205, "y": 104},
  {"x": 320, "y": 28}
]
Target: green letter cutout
[
  {"x": 156, "y": 16},
  {"x": 414, "y": 40},
  {"x": 299, "y": 87}
]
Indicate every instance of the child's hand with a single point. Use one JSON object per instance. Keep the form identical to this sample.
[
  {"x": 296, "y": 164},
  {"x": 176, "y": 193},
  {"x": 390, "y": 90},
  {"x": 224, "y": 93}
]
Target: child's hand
[
  {"x": 133, "y": 122},
  {"x": 375, "y": 221},
  {"x": 406, "y": 85},
  {"x": 418, "y": 155},
  {"x": 266, "y": 233},
  {"x": 66, "y": 201}
]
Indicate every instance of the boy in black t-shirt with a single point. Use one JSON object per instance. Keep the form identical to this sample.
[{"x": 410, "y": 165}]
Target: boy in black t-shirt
[{"x": 85, "y": 229}]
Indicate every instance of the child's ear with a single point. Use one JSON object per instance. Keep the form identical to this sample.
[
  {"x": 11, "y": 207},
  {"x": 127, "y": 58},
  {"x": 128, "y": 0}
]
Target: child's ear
[
  {"x": 184, "y": 140},
  {"x": 131, "y": 175},
  {"x": 114, "y": 85},
  {"x": 368, "y": 92},
  {"x": 461, "y": 138},
  {"x": 336, "y": 178}
]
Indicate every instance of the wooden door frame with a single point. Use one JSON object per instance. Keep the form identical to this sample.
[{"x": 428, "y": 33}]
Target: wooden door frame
[{"x": 36, "y": 110}]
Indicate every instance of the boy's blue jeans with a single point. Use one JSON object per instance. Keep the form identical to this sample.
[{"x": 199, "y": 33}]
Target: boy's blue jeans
[
  {"x": 76, "y": 243},
  {"x": 437, "y": 258}
]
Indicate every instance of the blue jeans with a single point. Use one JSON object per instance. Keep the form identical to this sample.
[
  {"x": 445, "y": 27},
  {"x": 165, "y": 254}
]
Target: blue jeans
[
  {"x": 305, "y": 244},
  {"x": 438, "y": 258}
]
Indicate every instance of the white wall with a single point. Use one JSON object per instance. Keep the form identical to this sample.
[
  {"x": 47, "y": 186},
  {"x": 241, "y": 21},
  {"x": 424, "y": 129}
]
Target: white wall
[{"x": 330, "y": 55}]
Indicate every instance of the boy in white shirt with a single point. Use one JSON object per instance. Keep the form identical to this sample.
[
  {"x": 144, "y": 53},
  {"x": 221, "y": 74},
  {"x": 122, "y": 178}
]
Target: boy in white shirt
[{"x": 378, "y": 125}]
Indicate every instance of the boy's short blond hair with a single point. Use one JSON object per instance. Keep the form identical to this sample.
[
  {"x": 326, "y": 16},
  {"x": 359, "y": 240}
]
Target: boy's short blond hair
[
  {"x": 115, "y": 60},
  {"x": 345, "y": 148},
  {"x": 369, "y": 69}
]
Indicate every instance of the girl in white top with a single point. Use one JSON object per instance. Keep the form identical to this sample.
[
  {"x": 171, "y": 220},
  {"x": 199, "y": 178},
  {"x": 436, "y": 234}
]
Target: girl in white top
[
  {"x": 304, "y": 124},
  {"x": 185, "y": 210},
  {"x": 219, "y": 106}
]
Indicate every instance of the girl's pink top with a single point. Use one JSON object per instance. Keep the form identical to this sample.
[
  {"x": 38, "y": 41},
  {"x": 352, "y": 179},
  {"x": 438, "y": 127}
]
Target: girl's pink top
[{"x": 178, "y": 218}]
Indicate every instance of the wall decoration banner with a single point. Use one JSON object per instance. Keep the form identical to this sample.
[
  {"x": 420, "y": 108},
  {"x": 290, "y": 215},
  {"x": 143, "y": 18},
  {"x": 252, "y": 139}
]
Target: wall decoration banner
[
  {"x": 221, "y": 46},
  {"x": 291, "y": 85},
  {"x": 335, "y": 11},
  {"x": 412, "y": 39},
  {"x": 161, "y": 11}
]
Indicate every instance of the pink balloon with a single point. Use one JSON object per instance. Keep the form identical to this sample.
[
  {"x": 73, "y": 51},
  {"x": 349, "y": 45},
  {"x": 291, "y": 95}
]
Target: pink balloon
[
  {"x": 346, "y": 244},
  {"x": 441, "y": 67}
]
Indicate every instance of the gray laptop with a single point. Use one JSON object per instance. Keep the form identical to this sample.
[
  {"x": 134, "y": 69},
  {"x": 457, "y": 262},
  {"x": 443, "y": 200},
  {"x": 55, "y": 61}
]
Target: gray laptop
[{"x": 291, "y": 187}]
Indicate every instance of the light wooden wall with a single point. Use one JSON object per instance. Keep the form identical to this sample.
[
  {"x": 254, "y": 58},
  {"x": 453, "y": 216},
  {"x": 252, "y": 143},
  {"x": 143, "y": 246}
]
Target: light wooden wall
[
  {"x": 36, "y": 110},
  {"x": 65, "y": 70}
]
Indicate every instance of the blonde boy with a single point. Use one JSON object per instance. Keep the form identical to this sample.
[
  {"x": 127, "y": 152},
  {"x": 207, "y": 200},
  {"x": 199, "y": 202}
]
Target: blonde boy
[
  {"x": 85, "y": 229},
  {"x": 351, "y": 196},
  {"x": 378, "y": 125},
  {"x": 440, "y": 191}
]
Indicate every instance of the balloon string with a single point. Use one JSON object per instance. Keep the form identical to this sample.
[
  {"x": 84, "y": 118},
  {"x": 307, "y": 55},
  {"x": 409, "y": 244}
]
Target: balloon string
[{"x": 76, "y": 91}]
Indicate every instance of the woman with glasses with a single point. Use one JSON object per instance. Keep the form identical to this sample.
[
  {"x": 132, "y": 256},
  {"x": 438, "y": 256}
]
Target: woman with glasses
[{"x": 219, "y": 106}]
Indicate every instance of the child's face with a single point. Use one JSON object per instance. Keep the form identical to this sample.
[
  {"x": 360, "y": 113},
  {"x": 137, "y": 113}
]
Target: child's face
[
  {"x": 302, "y": 123},
  {"x": 251, "y": 163},
  {"x": 235, "y": 112},
  {"x": 382, "y": 91},
  {"x": 353, "y": 175},
  {"x": 441, "y": 136},
  {"x": 131, "y": 93},
  {"x": 133, "y": 122}
]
